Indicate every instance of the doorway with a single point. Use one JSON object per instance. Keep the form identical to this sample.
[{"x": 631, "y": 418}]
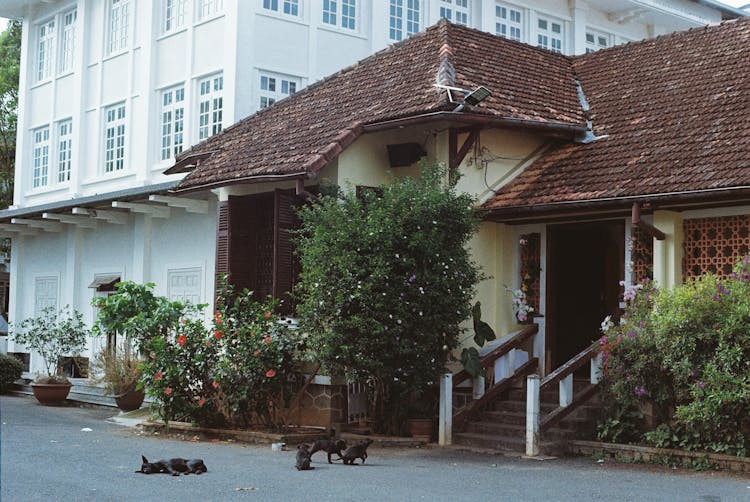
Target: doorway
[{"x": 585, "y": 263}]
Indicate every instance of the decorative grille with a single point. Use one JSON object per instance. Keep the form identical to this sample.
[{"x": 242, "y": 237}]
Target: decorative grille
[
  {"x": 641, "y": 255},
  {"x": 531, "y": 245},
  {"x": 714, "y": 244}
]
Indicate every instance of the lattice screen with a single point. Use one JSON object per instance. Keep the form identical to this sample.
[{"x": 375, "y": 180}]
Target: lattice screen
[
  {"x": 642, "y": 255},
  {"x": 715, "y": 244},
  {"x": 531, "y": 245}
]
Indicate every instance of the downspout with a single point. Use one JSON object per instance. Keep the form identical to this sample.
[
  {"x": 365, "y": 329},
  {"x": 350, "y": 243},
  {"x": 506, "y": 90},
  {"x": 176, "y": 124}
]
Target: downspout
[{"x": 301, "y": 192}]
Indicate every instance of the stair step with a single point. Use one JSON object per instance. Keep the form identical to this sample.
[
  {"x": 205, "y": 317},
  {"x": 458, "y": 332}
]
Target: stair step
[
  {"x": 511, "y": 444},
  {"x": 496, "y": 428},
  {"x": 518, "y": 405}
]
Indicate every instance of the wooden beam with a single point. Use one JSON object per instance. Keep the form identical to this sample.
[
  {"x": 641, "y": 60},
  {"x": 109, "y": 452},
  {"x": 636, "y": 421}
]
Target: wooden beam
[
  {"x": 456, "y": 154},
  {"x": 47, "y": 226},
  {"x": 647, "y": 228},
  {"x": 81, "y": 221},
  {"x": 17, "y": 229},
  {"x": 115, "y": 217},
  {"x": 189, "y": 205},
  {"x": 149, "y": 209}
]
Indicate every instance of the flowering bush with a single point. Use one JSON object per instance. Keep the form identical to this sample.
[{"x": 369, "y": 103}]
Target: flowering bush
[
  {"x": 686, "y": 351},
  {"x": 386, "y": 282}
]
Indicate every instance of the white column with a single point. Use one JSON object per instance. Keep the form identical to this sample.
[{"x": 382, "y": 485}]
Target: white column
[
  {"x": 142, "y": 236},
  {"x": 566, "y": 390},
  {"x": 532, "y": 415},
  {"x": 478, "y": 384},
  {"x": 596, "y": 368},
  {"x": 445, "y": 429}
]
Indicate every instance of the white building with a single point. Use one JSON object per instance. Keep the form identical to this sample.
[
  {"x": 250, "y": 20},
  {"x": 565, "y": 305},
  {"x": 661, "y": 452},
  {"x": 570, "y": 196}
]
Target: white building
[{"x": 111, "y": 90}]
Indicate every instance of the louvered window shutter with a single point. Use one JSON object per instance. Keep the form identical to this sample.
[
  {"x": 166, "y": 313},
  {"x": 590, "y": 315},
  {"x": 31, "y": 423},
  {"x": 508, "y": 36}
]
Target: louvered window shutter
[
  {"x": 222, "y": 243},
  {"x": 286, "y": 264}
]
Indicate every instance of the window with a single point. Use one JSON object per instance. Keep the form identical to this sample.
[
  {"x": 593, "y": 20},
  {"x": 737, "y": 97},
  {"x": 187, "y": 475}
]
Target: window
[
  {"x": 44, "y": 53},
  {"x": 288, "y": 7},
  {"x": 210, "y": 107},
  {"x": 40, "y": 174},
  {"x": 329, "y": 12},
  {"x": 174, "y": 15},
  {"x": 509, "y": 23},
  {"x": 209, "y": 8},
  {"x": 172, "y": 122},
  {"x": 396, "y": 18},
  {"x": 67, "y": 41},
  {"x": 596, "y": 40},
  {"x": 118, "y": 25},
  {"x": 45, "y": 294},
  {"x": 184, "y": 285},
  {"x": 114, "y": 139},
  {"x": 550, "y": 34},
  {"x": 456, "y": 11},
  {"x": 348, "y": 17},
  {"x": 64, "y": 148},
  {"x": 274, "y": 87}
]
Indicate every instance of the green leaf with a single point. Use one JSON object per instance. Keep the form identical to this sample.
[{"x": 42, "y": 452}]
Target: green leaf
[
  {"x": 482, "y": 331},
  {"x": 471, "y": 361}
]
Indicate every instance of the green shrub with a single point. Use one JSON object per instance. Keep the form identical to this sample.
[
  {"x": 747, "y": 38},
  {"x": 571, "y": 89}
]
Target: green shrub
[{"x": 10, "y": 371}]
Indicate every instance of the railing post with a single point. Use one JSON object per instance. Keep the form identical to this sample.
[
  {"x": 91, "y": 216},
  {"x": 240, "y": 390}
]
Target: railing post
[
  {"x": 477, "y": 390},
  {"x": 532, "y": 415},
  {"x": 445, "y": 427},
  {"x": 566, "y": 390},
  {"x": 596, "y": 368}
]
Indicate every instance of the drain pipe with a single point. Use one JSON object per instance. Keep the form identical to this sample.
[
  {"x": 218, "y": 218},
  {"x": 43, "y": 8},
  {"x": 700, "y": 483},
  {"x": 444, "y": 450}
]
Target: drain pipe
[
  {"x": 301, "y": 192},
  {"x": 635, "y": 218}
]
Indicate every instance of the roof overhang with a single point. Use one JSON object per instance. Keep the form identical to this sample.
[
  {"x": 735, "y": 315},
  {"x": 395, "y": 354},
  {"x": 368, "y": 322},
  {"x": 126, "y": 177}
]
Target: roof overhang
[{"x": 619, "y": 206}]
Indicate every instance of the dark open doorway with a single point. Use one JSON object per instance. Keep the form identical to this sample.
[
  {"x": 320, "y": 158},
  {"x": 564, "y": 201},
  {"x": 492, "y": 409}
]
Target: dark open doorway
[{"x": 585, "y": 263}]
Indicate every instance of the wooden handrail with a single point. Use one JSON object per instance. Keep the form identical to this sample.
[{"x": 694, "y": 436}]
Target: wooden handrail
[
  {"x": 489, "y": 359},
  {"x": 566, "y": 369}
]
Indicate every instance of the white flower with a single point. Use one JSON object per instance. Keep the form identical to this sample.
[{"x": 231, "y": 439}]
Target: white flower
[{"x": 607, "y": 324}]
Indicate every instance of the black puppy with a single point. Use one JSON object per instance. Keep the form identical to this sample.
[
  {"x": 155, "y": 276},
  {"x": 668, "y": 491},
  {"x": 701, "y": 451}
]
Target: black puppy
[
  {"x": 303, "y": 458},
  {"x": 173, "y": 466},
  {"x": 357, "y": 451},
  {"x": 329, "y": 446}
]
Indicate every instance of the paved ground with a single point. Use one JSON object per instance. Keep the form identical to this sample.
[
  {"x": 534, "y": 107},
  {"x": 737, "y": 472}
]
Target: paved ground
[{"x": 45, "y": 454}]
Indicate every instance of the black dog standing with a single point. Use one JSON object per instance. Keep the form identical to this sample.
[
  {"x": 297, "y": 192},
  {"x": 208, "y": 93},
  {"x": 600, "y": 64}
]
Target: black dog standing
[
  {"x": 329, "y": 446},
  {"x": 357, "y": 451},
  {"x": 303, "y": 458}
]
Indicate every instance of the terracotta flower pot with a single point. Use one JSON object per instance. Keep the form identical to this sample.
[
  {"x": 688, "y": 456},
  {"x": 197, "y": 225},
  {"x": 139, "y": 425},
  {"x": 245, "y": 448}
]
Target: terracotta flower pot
[
  {"x": 50, "y": 394},
  {"x": 420, "y": 428},
  {"x": 130, "y": 400}
]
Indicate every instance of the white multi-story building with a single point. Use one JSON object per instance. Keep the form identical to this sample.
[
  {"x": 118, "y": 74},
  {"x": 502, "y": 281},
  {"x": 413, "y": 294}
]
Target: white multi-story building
[{"x": 111, "y": 90}]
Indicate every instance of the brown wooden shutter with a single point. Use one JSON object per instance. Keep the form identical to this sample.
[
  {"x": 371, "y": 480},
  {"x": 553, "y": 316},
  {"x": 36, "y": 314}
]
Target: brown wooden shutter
[
  {"x": 222, "y": 243},
  {"x": 286, "y": 264}
]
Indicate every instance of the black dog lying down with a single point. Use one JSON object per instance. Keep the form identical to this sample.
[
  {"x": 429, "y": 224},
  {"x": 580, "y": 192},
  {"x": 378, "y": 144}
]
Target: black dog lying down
[{"x": 173, "y": 466}]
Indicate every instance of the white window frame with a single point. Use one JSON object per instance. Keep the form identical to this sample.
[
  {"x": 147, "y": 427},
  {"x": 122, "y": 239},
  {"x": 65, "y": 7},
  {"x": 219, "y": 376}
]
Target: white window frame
[
  {"x": 45, "y": 49},
  {"x": 456, "y": 11},
  {"x": 64, "y": 150},
  {"x": 509, "y": 21},
  {"x": 177, "y": 292},
  {"x": 546, "y": 35},
  {"x": 114, "y": 138},
  {"x": 172, "y": 122},
  {"x": 40, "y": 157},
  {"x": 173, "y": 15},
  {"x": 118, "y": 26},
  {"x": 67, "y": 41},
  {"x": 330, "y": 12},
  {"x": 210, "y": 105},
  {"x": 45, "y": 293},
  {"x": 594, "y": 40},
  {"x": 286, "y": 7},
  {"x": 275, "y": 86},
  {"x": 208, "y": 9},
  {"x": 398, "y": 24}
]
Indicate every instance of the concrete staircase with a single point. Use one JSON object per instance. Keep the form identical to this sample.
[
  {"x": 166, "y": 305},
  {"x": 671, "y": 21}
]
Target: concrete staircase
[{"x": 502, "y": 425}]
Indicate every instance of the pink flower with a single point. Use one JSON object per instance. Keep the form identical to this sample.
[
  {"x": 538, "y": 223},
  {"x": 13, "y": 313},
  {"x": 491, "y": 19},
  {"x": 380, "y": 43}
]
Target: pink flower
[
  {"x": 271, "y": 373},
  {"x": 168, "y": 391},
  {"x": 256, "y": 353},
  {"x": 267, "y": 315},
  {"x": 215, "y": 384},
  {"x": 158, "y": 375},
  {"x": 267, "y": 340},
  {"x": 208, "y": 343},
  {"x": 201, "y": 401},
  {"x": 181, "y": 340}
]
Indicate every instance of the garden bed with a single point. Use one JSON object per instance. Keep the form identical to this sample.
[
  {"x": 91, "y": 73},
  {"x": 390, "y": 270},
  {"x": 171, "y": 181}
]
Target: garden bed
[
  {"x": 299, "y": 435},
  {"x": 666, "y": 456}
]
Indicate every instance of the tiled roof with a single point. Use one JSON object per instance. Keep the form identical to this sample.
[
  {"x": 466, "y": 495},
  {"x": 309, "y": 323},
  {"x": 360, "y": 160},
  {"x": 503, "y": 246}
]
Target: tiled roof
[
  {"x": 304, "y": 132},
  {"x": 675, "y": 115}
]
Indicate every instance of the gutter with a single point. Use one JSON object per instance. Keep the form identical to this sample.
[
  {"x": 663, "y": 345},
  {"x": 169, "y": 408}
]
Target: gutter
[{"x": 263, "y": 178}]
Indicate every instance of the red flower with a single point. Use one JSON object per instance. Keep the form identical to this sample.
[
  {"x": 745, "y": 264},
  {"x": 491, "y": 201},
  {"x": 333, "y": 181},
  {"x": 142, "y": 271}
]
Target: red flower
[
  {"x": 183, "y": 321},
  {"x": 215, "y": 384},
  {"x": 135, "y": 371},
  {"x": 201, "y": 401},
  {"x": 218, "y": 334},
  {"x": 256, "y": 353},
  {"x": 267, "y": 315},
  {"x": 271, "y": 373},
  {"x": 168, "y": 391},
  {"x": 181, "y": 340},
  {"x": 267, "y": 340},
  {"x": 158, "y": 375},
  {"x": 217, "y": 318}
]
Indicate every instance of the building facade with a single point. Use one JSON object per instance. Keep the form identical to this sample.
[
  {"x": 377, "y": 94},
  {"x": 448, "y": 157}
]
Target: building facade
[{"x": 111, "y": 91}]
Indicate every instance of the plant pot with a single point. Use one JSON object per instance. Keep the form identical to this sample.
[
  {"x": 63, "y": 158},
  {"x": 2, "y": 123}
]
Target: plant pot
[
  {"x": 50, "y": 394},
  {"x": 130, "y": 400},
  {"x": 420, "y": 428}
]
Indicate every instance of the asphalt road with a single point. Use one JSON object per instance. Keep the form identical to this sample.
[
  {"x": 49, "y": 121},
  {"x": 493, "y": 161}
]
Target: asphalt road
[{"x": 45, "y": 454}]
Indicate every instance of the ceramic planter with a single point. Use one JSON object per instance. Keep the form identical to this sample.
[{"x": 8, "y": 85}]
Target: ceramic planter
[
  {"x": 130, "y": 400},
  {"x": 51, "y": 394}
]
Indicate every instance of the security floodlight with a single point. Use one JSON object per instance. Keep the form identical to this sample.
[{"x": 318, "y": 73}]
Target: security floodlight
[{"x": 477, "y": 95}]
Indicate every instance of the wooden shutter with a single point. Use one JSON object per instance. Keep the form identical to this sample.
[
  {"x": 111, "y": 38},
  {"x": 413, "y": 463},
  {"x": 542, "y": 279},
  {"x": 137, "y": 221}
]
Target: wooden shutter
[
  {"x": 285, "y": 264},
  {"x": 222, "y": 243}
]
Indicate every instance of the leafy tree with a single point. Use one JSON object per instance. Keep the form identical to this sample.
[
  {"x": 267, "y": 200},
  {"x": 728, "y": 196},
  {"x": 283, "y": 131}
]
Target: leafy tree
[
  {"x": 386, "y": 283},
  {"x": 10, "y": 61}
]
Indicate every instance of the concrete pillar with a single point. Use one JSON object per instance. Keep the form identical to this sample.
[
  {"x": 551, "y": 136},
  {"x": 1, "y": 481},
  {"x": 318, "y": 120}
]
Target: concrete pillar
[
  {"x": 532, "y": 415},
  {"x": 478, "y": 387},
  {"x": 566, "y": 390},
  {"x": 668, "y": 252},
  {"x": 445, "y": 428}
]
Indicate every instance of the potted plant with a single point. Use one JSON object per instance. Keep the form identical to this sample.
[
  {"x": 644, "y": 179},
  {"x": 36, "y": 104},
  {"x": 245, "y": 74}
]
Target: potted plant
[
  {"x": 118, "y": 367},
  {"x": 52, "y": 334}
]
